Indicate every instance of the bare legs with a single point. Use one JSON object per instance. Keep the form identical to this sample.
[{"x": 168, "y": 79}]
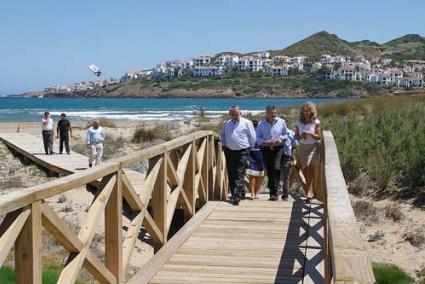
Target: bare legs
[
  {"x": 254, "y": 184},
  {"x": 309, "y": 174}
]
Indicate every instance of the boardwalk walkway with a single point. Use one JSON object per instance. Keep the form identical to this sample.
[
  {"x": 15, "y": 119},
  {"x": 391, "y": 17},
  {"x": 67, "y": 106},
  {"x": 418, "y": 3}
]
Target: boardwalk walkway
[
  {"x": 31, "y": 147},
  {"x": 256, "y": 242}
]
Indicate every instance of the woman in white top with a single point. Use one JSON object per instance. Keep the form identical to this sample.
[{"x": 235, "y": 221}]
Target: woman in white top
[{"x": 307, "y": 131}]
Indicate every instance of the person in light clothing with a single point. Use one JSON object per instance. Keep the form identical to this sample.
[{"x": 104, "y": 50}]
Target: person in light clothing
[
  {"x": 237, "y": 136},
  {"x": 270, "y": 136},
  {"x": 307, "y": 131},
  {"x": 95, "y": 138},
  {"x": 47, "y": 133}
]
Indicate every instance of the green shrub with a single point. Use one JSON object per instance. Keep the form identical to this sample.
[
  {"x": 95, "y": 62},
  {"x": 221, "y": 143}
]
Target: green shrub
[
  {"x": 383, "y": 136},
  {"x": 50, "y": 275},
  {"x": 390, "y": 274}
]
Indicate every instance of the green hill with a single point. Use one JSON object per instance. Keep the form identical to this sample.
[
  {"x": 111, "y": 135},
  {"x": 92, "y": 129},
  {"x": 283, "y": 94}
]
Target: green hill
[{"x": 411, "y": 46}]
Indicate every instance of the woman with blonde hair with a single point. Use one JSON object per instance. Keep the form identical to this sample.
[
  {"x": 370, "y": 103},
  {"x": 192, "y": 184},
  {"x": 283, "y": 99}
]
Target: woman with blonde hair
[{"x": 307, "y": 131}]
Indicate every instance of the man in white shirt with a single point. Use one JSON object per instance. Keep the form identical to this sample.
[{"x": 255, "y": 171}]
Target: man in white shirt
[
  {"x": 237, "y": 136},
  {"x": 95, "y": 138},
  {"x": 47, "y": 133}
]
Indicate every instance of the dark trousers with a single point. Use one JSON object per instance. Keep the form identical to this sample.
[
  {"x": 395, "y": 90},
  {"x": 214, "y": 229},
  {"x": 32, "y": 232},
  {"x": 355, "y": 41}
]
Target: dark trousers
[
  {"x": 64, "y": 139},
  {"x": 48, "y": 141},
  {"x": 272, "y": 162},
  {"x": 285, "y": 174},
  {"x": 237, "y": 163}
]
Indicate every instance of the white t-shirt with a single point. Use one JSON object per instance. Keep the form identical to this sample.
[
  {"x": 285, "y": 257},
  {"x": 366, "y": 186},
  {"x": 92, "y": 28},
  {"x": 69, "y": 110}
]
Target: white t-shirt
[
  {"x": 307, "y": 127},
  {"x": 48, "y": 126}
]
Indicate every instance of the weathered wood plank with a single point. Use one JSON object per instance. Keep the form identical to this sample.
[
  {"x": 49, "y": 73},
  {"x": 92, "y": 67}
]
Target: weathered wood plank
[{"x": 151, "y": 268}]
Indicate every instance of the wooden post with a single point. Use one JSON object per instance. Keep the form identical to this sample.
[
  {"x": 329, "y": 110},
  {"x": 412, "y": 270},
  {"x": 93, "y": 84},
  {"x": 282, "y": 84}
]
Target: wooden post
[
  {"x": 189, "y": 180},
  {"x": 159, "y": 201},
  {"x": 204, "y": 169},
  {"x": 28, "y": 248},
  {"x": 113, "y": 231}
]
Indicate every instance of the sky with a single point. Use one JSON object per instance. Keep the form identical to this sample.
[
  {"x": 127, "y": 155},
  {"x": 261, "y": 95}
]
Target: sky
[{"x": 44, "y": 43}]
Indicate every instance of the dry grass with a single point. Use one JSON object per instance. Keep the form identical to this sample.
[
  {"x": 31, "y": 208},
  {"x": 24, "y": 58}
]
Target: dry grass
[
  {"x": 415, "y": 238},
  {"x": 145, "y": 134},
  {"x": 103, "y": 122},
  {"x": 12, "y": 182}
]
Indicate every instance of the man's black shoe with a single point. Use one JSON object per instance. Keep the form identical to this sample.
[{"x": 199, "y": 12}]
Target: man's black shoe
[
  {"x": 90, "y": 165},
  {"x": 236, "y": 200},
  {"x": 273, "y": 198},
  {"x": 284, "y": 197}
]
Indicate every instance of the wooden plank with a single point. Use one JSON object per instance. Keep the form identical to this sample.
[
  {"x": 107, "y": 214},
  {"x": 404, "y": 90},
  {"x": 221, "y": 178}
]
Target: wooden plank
[
  {"x": 64, "y": 235},
  {"x": 189, "y": 181},
  {"x": 113, "y": 231},
  {"x": 152, "y": 267},
  {"x": 70, "y": 271},
  {"x": 159, "y": 200},
  {"x": 28, "y": 248},
  {"x": 152, "y": 228},
  {"x": 350, "y": 261},
  {"x": 19, "y": 199},
  {"x": 9, "y": 231}
]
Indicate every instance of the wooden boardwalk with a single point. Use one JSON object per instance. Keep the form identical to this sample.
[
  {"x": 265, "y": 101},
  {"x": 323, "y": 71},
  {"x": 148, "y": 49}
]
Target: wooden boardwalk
[
  {"x": 258, "y": 241},
  {"x": 31, "y": 147}
]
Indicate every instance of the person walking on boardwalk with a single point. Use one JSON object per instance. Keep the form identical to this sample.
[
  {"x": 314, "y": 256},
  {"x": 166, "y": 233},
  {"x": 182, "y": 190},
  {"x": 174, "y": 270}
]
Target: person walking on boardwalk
[
  {"x": 255, "y": 170},
  {"x": 290, "y": 142},
  {"x": 95, "y": 138},
  {"x": 307, "y": 131},
  {"x": 63, "y": 132},
  {"x": 237, "y": 136},
  {"x": 270, "y": 136},
  {"x": 47, "y": 133}
]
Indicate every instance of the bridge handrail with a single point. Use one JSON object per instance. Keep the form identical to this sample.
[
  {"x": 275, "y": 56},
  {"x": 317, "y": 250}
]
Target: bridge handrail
[
  {"x": 183, "y": 173},
  {"x": 346, "y": 257}
]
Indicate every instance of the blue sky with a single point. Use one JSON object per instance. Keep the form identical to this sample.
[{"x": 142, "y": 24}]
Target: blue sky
[{"x": 44, "y": 43}]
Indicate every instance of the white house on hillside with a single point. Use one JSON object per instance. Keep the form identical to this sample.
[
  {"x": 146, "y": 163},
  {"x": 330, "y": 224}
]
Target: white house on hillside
[
  {"x": 250, "y": 64},
  {"x": 227, "y": 61},
  {"x": 206, "y": 71},
  {"x": 278, "y": 70},
  {"x": 201, "y": 60}
]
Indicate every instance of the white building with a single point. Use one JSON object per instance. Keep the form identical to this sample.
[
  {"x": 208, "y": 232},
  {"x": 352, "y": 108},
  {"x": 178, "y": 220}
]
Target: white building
[
  {"x": 227, "y": 61},
  {"x": 348, "y": 73},
  {"x": 206, "y": 71},
  {"x": 262, "y": 54},
  {"x": 278, "y": 70},
  {"x": 250, "y": 64},
  {"x": 201, "y": 60},
  {"x": 316, "y": 66}
]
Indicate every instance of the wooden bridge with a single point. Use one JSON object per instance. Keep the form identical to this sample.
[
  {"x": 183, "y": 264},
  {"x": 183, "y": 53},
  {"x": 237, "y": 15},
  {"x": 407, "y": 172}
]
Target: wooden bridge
[{"x": 257, "y": 242}]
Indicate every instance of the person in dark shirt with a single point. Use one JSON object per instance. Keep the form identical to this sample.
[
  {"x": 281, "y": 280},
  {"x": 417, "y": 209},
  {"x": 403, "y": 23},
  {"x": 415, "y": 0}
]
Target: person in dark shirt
[{"x": 63, "y": 131}]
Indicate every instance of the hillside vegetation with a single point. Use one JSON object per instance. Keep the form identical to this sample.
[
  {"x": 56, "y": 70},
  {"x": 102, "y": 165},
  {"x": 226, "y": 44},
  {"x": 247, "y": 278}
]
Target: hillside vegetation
[
  {"x": 411, "y": 46},
  {"x": 383, "y": 138}
]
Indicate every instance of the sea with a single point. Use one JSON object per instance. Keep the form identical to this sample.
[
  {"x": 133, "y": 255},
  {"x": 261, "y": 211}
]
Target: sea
[{"x": 13, "y": 109}]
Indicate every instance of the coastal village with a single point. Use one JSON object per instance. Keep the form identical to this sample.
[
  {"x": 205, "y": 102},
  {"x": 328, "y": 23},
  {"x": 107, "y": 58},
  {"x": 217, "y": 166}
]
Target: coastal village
[{"x": 382, "y": 71}]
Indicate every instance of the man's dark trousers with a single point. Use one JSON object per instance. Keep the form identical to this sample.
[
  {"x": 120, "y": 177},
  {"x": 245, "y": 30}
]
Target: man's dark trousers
[
  {"x": 286, "y": 174},
  {"x": 237, "y": 163},
  {"x": 272, "y": 162},
  {"x": 64, "y": 139},
  {"x": 48, "y": 141}
]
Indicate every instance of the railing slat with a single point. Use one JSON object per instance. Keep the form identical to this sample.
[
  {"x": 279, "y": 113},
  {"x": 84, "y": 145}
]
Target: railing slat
[
  {"x": 10, "y": 229},
  {"x": 28, "y": 248}
]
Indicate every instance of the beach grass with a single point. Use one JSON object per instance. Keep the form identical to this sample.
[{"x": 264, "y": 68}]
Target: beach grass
[
  {"x": 390, "y": 274},
  {"x": 50, "y": 275}
]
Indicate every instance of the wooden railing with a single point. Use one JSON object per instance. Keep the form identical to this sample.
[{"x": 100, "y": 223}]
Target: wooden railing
[
  {"x": 346, "y": 258},
  {"x": 183, "y": 173}
]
